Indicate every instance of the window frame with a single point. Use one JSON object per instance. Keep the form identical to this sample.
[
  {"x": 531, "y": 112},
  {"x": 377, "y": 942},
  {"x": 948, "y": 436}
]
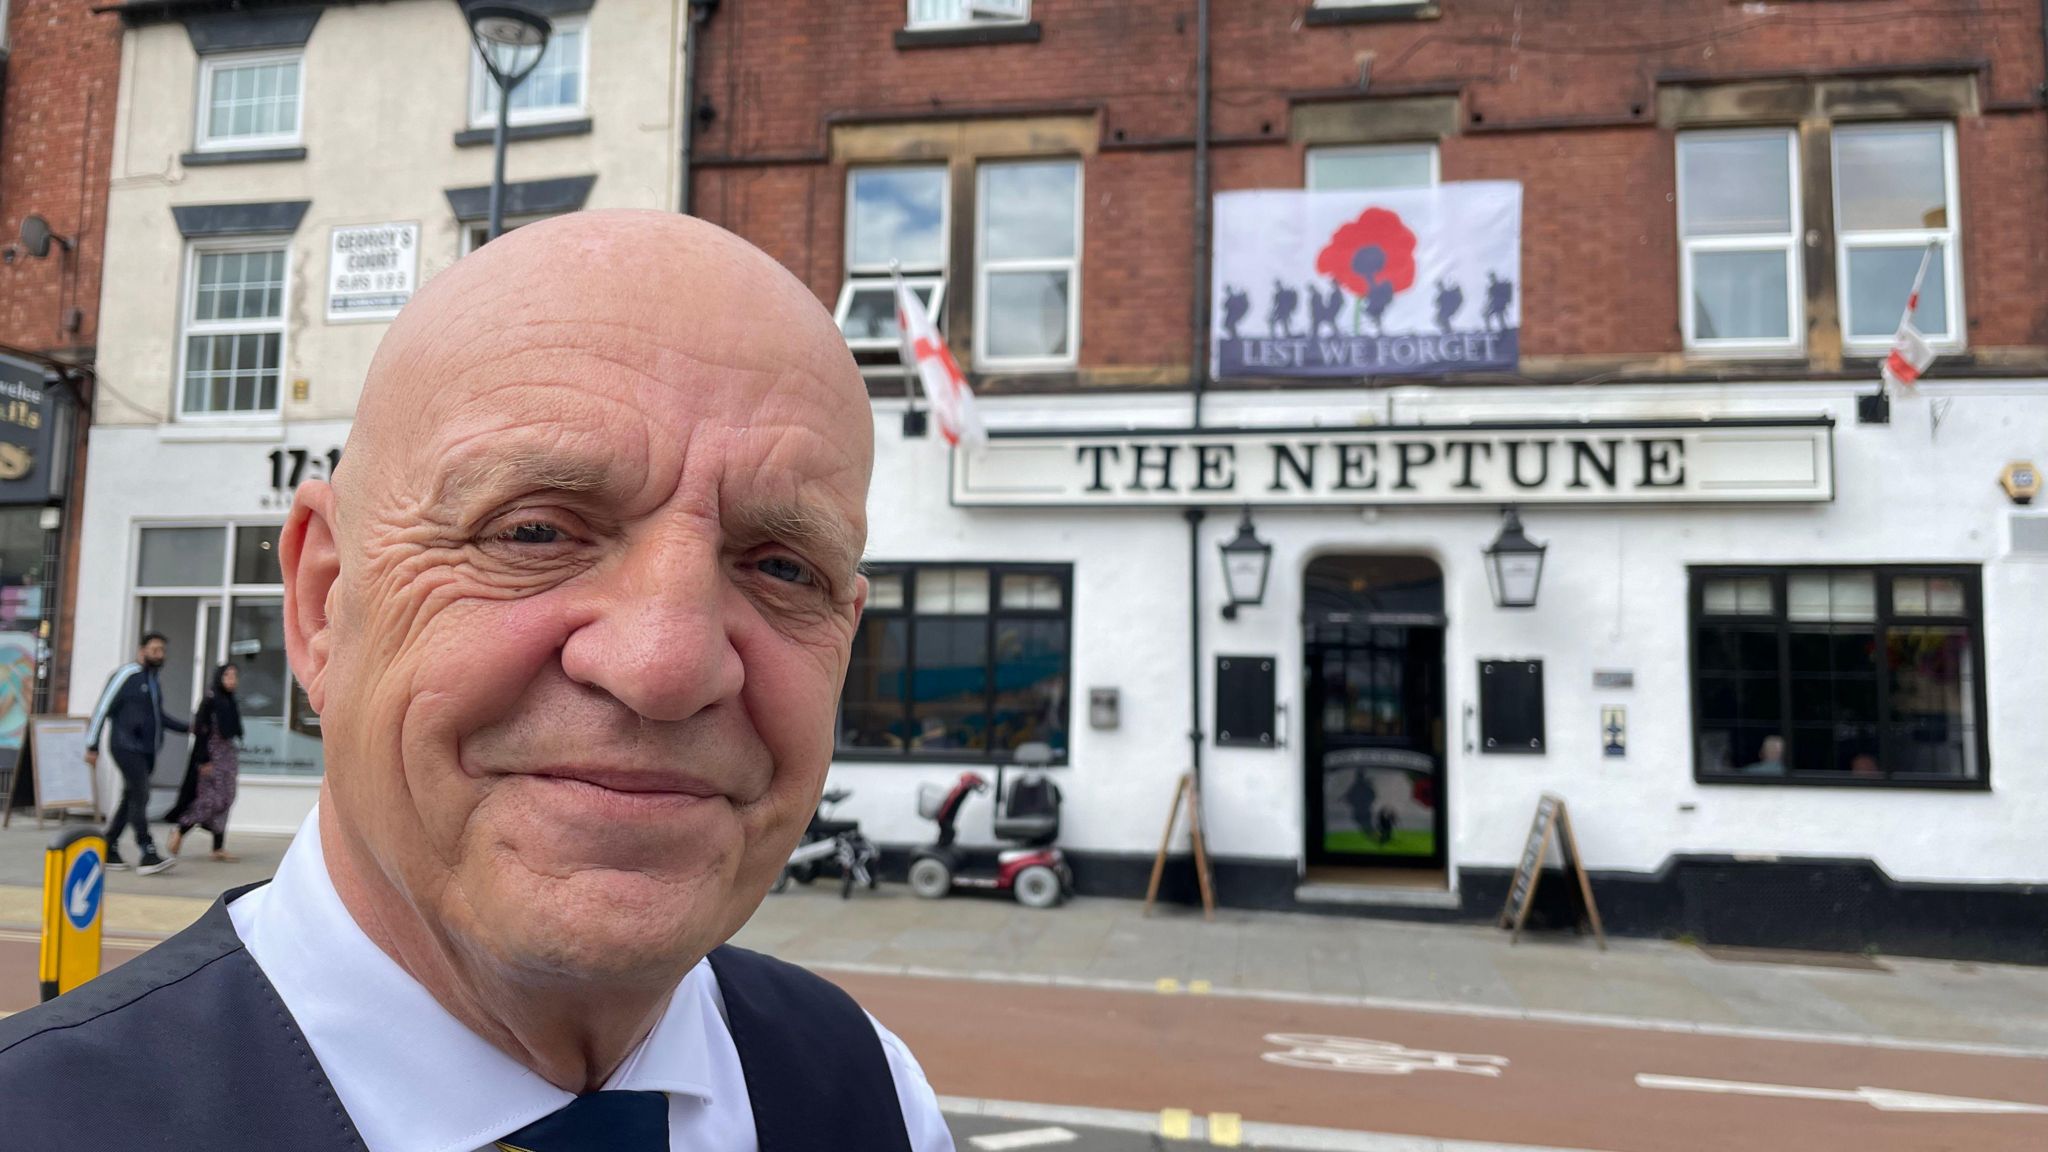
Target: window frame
[
  {"x": 188, "y": 328},
  {"x": 913, "y": 24},
  {"x": 466, "y": 231},
  {"x": 864, "y": 276},
  {"x": 1883, "y": 620},
  {"x": 225, "y": 593},
  {"x": 1791, "y": 242},
  {"x": 909, "y": 570},
  {"x": 1311, "y": 154},
  {"x": 1914, "y": 238},
  {"x": 1070, "y": 265},
  {"x": 210, "y": 67},
  {"x": 482, "y": 115}
]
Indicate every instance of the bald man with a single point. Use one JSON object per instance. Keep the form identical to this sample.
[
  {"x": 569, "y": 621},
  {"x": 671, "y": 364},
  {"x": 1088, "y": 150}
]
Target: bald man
[{"x": 575, "y": 613}]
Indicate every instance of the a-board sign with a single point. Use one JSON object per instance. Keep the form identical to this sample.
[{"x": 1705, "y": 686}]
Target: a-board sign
[
  {"x": 1552, "y": 823},
  {"x": 52, "y": 774}
]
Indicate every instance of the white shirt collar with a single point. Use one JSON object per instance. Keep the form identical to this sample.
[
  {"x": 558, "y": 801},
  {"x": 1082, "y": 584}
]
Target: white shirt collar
[{"x": 412, "y": 1077}]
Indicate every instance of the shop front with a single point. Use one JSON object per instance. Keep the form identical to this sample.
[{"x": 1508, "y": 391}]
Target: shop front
[
  {"x": 183, "y": 540},
  {"x": 36, "y": 425}
]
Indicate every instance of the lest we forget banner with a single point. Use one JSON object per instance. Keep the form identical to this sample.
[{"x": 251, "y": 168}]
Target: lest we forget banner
[{"x": 1406, "y": 282}]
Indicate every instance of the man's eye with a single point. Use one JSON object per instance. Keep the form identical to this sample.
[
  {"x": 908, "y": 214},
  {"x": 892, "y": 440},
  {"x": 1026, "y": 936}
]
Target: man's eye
[
  {"x": 783, "y": 568},
  {"x": 535, "y": 533}
]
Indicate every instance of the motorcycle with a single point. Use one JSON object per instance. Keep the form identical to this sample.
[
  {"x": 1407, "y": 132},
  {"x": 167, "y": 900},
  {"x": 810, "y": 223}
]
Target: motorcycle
[{"x": 835, "y": 842}]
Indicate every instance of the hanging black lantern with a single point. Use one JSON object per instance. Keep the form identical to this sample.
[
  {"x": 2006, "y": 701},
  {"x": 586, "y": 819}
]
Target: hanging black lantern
[
  {"x": 1246, "y": 562},
  {"x": 1514, "y": 564}
]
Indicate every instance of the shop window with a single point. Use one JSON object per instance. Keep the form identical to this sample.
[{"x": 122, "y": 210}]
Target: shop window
[
  {"x": 217, "y": 593},
  {"x": 234, "y": 330},
  {"x": 895, "y": 220},
  {"x": 1839, "y": 676},
  {"x": 1895, "y": 194},
  {"x": 554, "y": 90},
  {"x": 1371, "y": 168},
  {"x": 1738, "y": 214},
  {"x": 250, "y": 101},
  {"x": 1027, "y": 306},
  {"x": 959, "y": 663},
  {"x": 967, "y": 13}
]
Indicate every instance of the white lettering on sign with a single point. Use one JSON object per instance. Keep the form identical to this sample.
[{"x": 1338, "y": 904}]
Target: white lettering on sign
[
  {"x": 372, "y": 270},
  {"x": 1724, "y": 461},
  {"x": 1374, "y": 1057}
]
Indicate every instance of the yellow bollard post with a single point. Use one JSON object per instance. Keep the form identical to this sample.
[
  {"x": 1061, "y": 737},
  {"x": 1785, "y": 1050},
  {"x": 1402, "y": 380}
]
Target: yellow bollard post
[{"x": 74, "y": 890}]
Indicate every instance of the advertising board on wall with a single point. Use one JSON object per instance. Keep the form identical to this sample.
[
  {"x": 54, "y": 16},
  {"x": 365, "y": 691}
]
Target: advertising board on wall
[{"x": 372, "y": 270}]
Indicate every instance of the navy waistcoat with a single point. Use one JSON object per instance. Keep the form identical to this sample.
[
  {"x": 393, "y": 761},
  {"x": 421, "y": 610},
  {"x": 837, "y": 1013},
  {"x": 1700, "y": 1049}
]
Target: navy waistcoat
[{"x": 189, "y": 1047}]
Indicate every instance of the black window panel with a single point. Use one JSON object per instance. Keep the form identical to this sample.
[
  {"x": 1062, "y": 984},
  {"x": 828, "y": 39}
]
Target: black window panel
[
  {"x": 961, "y": 681},
  {"x": 1898, "y": 699}
]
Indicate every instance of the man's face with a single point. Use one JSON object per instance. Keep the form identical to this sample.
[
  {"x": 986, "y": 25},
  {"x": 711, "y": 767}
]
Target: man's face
[
  {"x": 597, "y": 591},
  {"x": 153, "y": 654}
]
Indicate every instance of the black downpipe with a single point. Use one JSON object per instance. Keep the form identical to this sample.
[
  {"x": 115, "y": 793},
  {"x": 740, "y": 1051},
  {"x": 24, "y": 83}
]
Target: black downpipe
[
  {"x": 1198, "y": 314},
  {"x": 1195, "y": 734},
  {"x": 700, "y": 18}
]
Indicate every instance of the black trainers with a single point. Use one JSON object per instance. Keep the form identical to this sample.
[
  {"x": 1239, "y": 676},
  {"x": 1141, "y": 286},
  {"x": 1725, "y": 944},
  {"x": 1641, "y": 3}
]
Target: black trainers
[
  {"x": 153, "y": 864},
  {"x": 115, "y": 863}
]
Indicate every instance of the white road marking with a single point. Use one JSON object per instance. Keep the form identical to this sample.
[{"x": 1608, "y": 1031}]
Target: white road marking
[
  {"x": 1294, "y": 1137},
  {"x": 1882, "y": 1099},
  {"x": 1373, "y": 1057},
  {"x": 1027, "y": 1138},
  {"x": 1444, "y": 1008}
]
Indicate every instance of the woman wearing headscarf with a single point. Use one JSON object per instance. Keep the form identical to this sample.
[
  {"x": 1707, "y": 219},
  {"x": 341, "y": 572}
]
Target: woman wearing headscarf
[{"x": 210, "y": 774}]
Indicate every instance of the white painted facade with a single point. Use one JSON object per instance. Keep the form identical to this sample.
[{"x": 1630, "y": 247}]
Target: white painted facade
[{"x": 385, "y": 90}]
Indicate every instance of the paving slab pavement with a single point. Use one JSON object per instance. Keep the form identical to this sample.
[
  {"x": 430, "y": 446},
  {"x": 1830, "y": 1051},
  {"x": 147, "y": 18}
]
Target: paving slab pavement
[{"x": 1112, "y": 941}]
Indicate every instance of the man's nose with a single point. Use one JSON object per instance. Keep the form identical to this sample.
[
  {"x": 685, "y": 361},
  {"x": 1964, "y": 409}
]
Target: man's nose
[{"x": 658, "y": 639}]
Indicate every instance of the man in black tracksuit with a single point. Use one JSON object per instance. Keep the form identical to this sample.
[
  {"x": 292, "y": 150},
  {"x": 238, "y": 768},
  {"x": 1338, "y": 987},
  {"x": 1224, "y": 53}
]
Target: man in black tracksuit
[{"x": 133, "y": 707}]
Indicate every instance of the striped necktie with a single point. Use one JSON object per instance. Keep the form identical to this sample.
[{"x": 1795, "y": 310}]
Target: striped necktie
[{"x": 598, "y": 1122}]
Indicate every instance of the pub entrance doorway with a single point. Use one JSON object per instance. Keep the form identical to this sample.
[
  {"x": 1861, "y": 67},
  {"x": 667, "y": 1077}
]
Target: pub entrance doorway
[{"x": 1373, "y": 635}]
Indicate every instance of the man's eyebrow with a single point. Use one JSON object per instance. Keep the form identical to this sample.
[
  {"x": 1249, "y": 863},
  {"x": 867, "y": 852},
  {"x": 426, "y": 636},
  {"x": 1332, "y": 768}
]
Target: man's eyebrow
[
  {"x": 822, "y": 534},
  {"x": 496, "y": 474}
]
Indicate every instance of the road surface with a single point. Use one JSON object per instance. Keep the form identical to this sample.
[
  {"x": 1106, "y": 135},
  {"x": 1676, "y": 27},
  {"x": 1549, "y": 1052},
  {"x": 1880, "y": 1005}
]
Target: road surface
[{"x": 1284, "y": 1072}]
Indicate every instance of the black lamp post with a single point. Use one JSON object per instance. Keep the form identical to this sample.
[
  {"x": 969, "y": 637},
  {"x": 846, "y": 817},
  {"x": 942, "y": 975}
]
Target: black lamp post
[
  {"x": 1514, "y": 564},
  {"x": 1246, "y": 562},
  {"x": 511, "y": 40}
]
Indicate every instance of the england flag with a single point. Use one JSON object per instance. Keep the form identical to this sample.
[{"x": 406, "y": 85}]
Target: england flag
[
  {"x": 944, "y": 384},
  {"x": 1910, "y": 352}
]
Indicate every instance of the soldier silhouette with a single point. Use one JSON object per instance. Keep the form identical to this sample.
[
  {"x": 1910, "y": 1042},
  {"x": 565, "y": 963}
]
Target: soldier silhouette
[
  {"x": 1235, "y": 305},
  {"x": 1280, "y": 318},
  {"x": 1498, "y": 293},
  {"x": 1449, "y": 298},
  {"x": 1376, "y": 301},
  {"x": 1324, "y": 310}
]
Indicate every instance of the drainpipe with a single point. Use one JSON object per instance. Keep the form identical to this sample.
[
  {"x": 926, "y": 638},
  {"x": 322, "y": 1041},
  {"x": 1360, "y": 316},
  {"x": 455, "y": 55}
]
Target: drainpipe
[
  {"x": 1195, "y": 734},
  {"x": 1198, "y": 314},
  {"x": 700, "y": 18}
]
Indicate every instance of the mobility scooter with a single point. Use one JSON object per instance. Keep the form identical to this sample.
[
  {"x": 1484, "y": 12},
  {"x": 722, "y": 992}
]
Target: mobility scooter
[
  {"x": 1027, "y": 814},
  {"x": 834, "y": 841}
]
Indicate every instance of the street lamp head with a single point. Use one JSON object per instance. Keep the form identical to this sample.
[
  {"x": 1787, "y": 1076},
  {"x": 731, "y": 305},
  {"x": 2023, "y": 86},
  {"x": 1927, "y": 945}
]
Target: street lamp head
[
  {"x": 1247, "y": 560},
  {"x": 1514, "y": 564},
  {"x": 510, "y": 39}
]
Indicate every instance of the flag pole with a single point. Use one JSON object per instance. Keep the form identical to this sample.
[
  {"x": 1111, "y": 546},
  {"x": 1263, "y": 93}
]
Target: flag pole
[{"x": 914, "y": 422}]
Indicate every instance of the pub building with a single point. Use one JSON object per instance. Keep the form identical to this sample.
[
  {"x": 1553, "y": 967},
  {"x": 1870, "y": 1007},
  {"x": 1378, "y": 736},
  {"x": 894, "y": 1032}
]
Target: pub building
[{"x": 1419, "y": 424}]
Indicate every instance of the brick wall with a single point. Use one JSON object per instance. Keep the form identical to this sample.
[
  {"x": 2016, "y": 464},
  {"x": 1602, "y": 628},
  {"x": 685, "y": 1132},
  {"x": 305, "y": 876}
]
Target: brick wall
[
  {"x": 1561, "y": 96},
  {"x": 56, "y": 128}
]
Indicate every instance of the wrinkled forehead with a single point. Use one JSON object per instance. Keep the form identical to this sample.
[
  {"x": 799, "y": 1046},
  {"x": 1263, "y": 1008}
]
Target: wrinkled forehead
[{"x": 628, "y": 420}]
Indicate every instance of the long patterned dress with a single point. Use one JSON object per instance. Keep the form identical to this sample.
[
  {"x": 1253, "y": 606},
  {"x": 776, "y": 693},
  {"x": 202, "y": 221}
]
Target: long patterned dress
[{"x": 216, "y": 795}]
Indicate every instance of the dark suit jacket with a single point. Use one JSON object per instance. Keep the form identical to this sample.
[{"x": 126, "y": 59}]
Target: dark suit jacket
[{"x": 189, "y": 1047}]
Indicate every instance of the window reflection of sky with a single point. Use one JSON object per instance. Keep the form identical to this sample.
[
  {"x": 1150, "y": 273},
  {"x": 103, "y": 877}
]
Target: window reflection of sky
[
  {"x": 899, "y": 214},
  {"x": 1029, "y": 211}
]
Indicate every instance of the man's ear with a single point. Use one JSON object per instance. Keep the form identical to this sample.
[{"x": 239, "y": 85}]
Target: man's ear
[{"x": 309, "y": 552}]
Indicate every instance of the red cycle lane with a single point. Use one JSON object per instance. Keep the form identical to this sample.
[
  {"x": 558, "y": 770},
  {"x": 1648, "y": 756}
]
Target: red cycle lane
[{"x": 1447, "y": 1076}]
